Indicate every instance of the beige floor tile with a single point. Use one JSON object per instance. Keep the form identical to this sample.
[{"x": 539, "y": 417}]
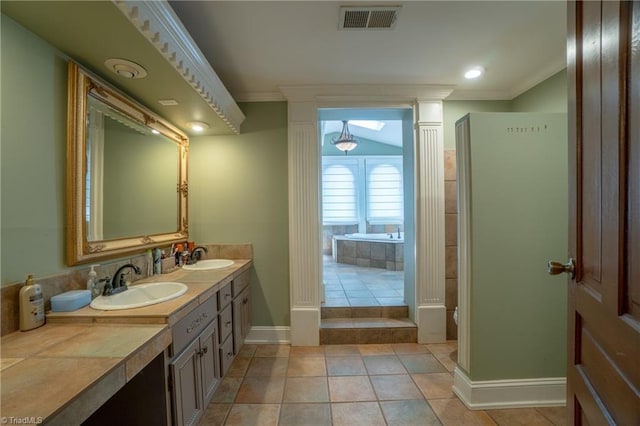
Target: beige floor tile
[
  {"x": 247, "y": 350},
  {"x": 376, "y": 349},
  {"x": 310, "y": 351},
  {"x": 341, "y": 350},
  {"x": 345, "y": 366},
  {"x": 519, "y": 416},
  {"x": 409, "y": 348},
  {"x": 260, "y": 390},
  {"x": 556, "y": 415},
  {"x": 306, "y": 389},
  {"x": 383, "y": 364},
  {"x": 443, "y": 348},
  {"x": 434, "y": 385},
  {"x": 395, "y": 387},
  {"x": 422, "y": 363},
  {"x": 452, "y": 412},
  {"x": 409, "y": 413},
  {"x": 306, "y": 366},
  {"x": 448, "y": 361},
  {"x": 350, "y": 389},
  {"x": 272, "y": 351},
  {"x": 305, "y": 415},
  {"x": 268, "y": 367},
  {"x": 215, "y": 415},
  {"x": 227, "y": 389},
  {"x": 239, "y": 367},
  {"x": 253, "y": 414},
  {"x": 357, "y": 413}
]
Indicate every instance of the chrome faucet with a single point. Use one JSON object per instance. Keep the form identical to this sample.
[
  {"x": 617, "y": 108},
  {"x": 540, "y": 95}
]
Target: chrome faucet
[
  {"x": 119, "y": 284},
  {"x": 195, "y": 254},
  {"x": 398, "y": 232}
]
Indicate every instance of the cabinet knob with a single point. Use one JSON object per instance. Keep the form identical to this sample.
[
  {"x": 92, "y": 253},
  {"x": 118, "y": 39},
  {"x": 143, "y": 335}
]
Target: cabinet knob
[
  {"x": 227, "y": 323},
  {"x": 205, "y": 350}
]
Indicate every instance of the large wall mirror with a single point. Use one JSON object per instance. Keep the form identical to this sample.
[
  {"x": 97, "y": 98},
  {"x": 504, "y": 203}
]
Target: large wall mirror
[{"x": 126, "y": 174}]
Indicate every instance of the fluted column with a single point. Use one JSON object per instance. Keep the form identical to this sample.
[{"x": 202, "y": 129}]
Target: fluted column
[
  {"x": 430, "y": 242},
  {"x": 304, "y": 223}
]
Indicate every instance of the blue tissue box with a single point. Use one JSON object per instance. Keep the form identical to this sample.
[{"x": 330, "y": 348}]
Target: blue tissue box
[{"x": 70, "y": 301}]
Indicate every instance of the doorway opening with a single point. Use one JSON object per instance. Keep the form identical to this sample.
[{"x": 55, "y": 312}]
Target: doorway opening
[{"x": 364, "y": 214}]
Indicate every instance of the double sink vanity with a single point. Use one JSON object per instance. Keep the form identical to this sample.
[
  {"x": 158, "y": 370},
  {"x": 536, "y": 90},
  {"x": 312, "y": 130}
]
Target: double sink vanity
[{"x": 154, "y": 364}]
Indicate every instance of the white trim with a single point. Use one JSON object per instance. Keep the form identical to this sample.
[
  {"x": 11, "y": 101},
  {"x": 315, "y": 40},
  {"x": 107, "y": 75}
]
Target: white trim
[
  {"x": 278, "y": 335},
  {"x": 519, "y": 393},
  {"x": 159, "y": 24},
  {"x": 259, "y": 97},
  {"x": 463, "y": 183}
]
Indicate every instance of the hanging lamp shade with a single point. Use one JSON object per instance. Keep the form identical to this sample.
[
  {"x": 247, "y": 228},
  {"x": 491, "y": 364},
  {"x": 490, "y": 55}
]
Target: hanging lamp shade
[{"x": 345, "y": 142}]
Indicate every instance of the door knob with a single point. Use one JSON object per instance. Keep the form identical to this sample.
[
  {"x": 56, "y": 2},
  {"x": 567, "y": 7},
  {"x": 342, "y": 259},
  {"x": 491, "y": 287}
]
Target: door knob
[{"x": 555, "y": 268}]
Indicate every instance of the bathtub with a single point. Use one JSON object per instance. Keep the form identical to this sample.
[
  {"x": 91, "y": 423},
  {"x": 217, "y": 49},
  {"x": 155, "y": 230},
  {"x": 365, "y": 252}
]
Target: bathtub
[
  {"x": 391, "y": 236},
  {"x": 384, "y": 251}
]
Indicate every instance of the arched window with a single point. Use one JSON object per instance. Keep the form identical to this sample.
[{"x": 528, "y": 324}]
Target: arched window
[
  {"x": 340, "y": 193},
  {"x": 385, "y": 204}
]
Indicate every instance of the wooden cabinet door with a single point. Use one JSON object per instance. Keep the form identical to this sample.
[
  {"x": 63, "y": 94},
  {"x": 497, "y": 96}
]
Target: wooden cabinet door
[
  {"x": 241, "y": 319},
  {"x": 603, "y": 374},
  {"x": 187, "y": 389},
  {"x": 209, "y": 360}
]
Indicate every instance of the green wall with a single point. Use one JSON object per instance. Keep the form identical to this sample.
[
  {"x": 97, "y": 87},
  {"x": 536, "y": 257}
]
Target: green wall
[
  {"x": 238, "y": 193},
  {"x": 548, "y": 96},
  {"x": 33, "y": 133}
]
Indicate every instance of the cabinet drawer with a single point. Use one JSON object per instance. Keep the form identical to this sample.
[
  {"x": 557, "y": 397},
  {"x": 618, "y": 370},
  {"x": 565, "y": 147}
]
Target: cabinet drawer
[
  {"x": 240, "y": 283},
  {"x": 224, "y": 296},
  {"x": 226, "y": 355},
  {"x": 226, "y": 323},
  {"x": 190, "y": 326}
]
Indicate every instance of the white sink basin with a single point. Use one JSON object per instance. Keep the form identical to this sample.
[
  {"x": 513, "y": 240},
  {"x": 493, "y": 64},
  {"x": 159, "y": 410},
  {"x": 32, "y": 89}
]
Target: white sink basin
[
  {"x": 203, "y": 265},
  {"x": 140, "y": 295}
]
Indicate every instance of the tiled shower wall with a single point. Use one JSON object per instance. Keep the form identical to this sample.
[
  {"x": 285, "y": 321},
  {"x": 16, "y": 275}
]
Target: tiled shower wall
[{"x": 451, "y": 240}]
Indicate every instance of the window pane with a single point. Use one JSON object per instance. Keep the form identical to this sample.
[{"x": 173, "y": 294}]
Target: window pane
[
  {"x": 339, "y": 193},
  {"x": 384, "y": 191}
]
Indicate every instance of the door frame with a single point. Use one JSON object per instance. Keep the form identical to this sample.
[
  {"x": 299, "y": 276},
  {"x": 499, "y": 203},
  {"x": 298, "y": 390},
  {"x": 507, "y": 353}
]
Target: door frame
[{"x": 305, "y": 247}]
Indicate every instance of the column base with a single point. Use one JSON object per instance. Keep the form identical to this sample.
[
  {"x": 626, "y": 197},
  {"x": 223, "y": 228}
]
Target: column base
[
  {"x": 432, "y": 323},
  {"x": 305, "y": 326}
]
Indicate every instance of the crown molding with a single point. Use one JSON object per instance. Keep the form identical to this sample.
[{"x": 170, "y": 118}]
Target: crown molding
[
  {"x": 159, "y": 24},
  {"x": 366, "y": 93},
  {"x": 538, "y": 78},
  {"x": 259, "y": 97}
]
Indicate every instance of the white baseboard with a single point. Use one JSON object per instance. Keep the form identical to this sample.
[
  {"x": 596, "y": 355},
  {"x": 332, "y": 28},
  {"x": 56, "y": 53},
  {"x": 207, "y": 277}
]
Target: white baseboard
[
  {"x": 486, "y": 394},
  {"x": 269, "y": 335}
]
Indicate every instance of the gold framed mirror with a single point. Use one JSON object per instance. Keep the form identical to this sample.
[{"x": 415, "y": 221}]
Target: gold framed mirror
[{"x": 126, "y": 173}]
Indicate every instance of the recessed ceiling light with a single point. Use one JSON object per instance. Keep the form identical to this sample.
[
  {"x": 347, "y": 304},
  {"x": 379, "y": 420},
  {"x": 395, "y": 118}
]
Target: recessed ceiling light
[
  {"x": 125, "y": 68},
  {"x": 474, "y": 72},
  {"x": 197, "y": 126},
  {"x": 155, "y": 132}
]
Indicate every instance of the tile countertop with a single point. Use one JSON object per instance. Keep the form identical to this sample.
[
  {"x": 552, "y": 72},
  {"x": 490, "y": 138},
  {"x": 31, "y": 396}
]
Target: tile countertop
[
  {"x": 60, "y": 374},
  {"x": 201, "y": 285}
]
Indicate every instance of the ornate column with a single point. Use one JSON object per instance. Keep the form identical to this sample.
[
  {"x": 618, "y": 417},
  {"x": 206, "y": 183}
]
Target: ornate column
[
  {"x": 304, "y": 223},
  {"x": 430, "y": 255}
]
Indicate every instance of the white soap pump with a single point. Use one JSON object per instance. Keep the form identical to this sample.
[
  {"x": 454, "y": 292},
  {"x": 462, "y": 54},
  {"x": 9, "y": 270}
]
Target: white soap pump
[
  {"x": 31, "y": 305},
  {"x": 92, "y": 282}
]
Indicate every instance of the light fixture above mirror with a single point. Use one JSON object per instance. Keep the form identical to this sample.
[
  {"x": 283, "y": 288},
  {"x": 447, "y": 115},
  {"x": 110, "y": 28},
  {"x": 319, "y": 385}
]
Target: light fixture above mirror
[{"x": 345, "y": 142}]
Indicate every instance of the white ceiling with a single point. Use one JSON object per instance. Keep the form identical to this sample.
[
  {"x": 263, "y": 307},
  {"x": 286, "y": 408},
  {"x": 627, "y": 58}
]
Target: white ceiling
[{"x": 257, "y": 46}]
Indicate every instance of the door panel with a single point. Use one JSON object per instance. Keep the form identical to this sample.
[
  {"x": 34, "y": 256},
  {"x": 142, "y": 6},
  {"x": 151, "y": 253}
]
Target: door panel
[{"x": 604, "y": 333}]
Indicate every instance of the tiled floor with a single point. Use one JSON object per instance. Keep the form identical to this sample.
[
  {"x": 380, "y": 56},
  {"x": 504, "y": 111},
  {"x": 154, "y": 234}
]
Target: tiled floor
[
  {"x": 383, "y": 384},
  {"x": 350, "y": 285}
]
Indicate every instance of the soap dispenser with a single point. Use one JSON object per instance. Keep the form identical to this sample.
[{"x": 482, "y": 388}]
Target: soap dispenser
[
  {"x": 92, "y": 282},
  {"x": 31, "y": 305}
]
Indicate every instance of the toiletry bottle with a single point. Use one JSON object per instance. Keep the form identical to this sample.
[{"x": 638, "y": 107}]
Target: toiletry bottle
[
  {"x": 92, "y": 282},
  {"x": 31, "y": 305}
]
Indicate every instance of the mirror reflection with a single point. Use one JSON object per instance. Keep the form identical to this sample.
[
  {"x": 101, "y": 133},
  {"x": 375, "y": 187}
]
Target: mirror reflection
[{"x": 131, "y": 176}]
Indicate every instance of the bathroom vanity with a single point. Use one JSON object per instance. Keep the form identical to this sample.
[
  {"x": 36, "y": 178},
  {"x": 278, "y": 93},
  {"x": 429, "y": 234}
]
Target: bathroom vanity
[{"x": 87, "y": 359}]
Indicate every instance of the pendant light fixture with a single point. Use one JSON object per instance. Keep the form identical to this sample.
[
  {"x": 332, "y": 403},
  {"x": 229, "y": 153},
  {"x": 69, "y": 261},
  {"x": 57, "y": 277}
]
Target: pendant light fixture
[{"x": 345, "y": 142}]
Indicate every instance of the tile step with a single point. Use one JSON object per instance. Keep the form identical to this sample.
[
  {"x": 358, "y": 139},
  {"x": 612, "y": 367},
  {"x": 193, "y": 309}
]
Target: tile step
[
  {"x": 365, "y": 312},
  {"x": 335, "y": 331}
]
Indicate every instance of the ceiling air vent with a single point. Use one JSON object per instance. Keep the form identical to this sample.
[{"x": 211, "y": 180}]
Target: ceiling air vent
[{"x": 368, "y": 17}]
